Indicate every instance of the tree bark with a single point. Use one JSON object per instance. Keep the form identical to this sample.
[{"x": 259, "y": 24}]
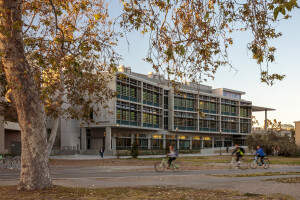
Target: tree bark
[{"x": 31, "y": 114}]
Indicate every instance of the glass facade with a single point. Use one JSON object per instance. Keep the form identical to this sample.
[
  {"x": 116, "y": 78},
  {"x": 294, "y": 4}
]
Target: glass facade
[
  {"x": 207, "y": 142},
  {"x": 185, "y": 101},
  {"x": 146, "y": 105},
  {"x": 184, "y": 142},
  {"x": 123, "y": 141},
  {"x": 218, "y": 142},
  {"x": 185, "y": 121},
  {"x": 196, "y": 142}
]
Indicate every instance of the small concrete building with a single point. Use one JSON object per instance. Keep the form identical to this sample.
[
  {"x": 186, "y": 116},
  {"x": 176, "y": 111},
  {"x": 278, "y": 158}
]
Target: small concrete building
[
  {"x": 10, "y": 137},
  {"x": 297, "y": 132}
]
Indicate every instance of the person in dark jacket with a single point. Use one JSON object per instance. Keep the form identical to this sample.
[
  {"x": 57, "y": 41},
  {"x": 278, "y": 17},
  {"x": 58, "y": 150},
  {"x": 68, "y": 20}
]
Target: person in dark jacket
[
  {"x": 101, "y": 151},
  {"x": 260, "y": 153},
  {"x": 238, "y": 152}
]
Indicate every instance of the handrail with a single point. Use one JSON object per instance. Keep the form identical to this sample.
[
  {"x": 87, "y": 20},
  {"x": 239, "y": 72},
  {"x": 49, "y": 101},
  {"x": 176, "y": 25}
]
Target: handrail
[{"x": 10, "y": 162}]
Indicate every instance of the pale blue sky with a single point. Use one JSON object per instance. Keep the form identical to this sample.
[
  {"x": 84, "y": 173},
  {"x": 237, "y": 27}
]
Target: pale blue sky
[{"x": 284, "y": 96}]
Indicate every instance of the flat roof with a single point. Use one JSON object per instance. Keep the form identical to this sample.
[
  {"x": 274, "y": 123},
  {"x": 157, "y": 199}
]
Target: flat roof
[
  {"x": 233, "y": 91},
  {"x": 296, "y": 121},
  {"x": 259, "y": 108},
  {"x": 230, "y": 90}
]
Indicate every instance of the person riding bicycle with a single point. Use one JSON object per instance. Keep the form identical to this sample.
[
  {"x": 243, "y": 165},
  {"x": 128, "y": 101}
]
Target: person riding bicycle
[
  {"x": 173, "y": 155},
  {"x": 238, "y": 152},
  {"x": 260, "y": 154}
]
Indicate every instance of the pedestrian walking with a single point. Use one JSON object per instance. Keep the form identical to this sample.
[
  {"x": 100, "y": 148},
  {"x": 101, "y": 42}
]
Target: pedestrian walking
[
  {"x": 227, "y": 149},
  {"x": 101, "y": 151}
]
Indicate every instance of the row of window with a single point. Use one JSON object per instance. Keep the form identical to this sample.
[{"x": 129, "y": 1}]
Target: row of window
[
  {"x": 128, "y": 91},
  {"x": 150, "y": 96},
  {"x": 149, "y": 118},
  {"x": 181, "y": 102},
  {"x": 126, "y": 115},
  {"x": 184, "y": 143}
]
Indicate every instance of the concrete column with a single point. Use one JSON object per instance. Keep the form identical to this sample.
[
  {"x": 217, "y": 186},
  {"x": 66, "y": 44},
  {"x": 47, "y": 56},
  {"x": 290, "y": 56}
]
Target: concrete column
[
  {"x": 250, "y": 131},
  {"x": 142, "y": 103},
  {"x": 164, "y": 141},
  {"x": 171, "y": 110},
  {"x": 266, "y": 120},
  {"x": 198, "y": 116},
  {"x": 113, "y": 145},
  {"x": 83, "y": 139},
  {"x": 220, "y": 115},
  {"x": 108, "y": 146},
  {"x": 191, "y": 142},
  {"x": 149, "y": 141},
  {"x": 177, "y": 141},
  {"x": 213, "y": 142},
  {"x": 202, "y": 143},
  {"x": 239, "y": 115},
  {"x": 223, "y": 139}
]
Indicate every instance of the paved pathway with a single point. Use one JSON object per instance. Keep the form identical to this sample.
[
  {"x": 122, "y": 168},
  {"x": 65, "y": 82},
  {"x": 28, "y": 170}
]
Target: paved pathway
[{"x": 102, "y": 177}]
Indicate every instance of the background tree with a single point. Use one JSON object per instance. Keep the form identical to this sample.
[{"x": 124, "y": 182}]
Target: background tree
[
  {"x": 273, "y": 142},
  {"x": 53, "y": 53},
  {"x": 189, "y": 39}
]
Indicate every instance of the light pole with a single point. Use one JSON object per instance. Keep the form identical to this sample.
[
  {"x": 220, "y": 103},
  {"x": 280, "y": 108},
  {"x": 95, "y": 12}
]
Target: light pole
[
  {"x": 178, "y": 138},
  {"x": 117, "y": 138},
  {"x": 221, "y": 145}
]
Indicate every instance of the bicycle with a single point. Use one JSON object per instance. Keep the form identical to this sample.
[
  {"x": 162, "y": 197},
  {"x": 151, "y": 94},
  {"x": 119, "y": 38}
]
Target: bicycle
[
  {"x": 265, "y": 163},
  {"x": 233, "y": 164},
  {"x": 163, "y": 164}
]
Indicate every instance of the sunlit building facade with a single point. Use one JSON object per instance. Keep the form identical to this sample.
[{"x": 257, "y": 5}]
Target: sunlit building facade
[{"x": 149, "y": 111}]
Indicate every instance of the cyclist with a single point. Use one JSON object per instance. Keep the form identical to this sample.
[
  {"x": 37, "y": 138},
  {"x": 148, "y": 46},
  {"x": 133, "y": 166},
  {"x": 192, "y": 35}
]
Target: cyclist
[
  {"x": 260, "y": 154},
  {"x": 239, "y": 152},
  {"x": 173, "y": 155}
]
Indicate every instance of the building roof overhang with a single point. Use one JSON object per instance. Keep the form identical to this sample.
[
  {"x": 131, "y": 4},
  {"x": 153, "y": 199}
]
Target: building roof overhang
[
  {"x": 259, "y": 108},
  {"x": 233, "y": 91}
]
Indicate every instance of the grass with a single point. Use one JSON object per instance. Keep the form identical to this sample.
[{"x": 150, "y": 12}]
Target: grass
[
  {"x": 58, "y": 192},
  {"x": 286, "y": 180},
  {"x": 188, "y": 163},
  {"x": 256, "y": 174}
]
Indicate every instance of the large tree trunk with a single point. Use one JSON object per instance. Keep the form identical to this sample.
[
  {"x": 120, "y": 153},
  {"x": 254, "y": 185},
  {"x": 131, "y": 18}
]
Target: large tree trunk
[{"x": 31, "y": 114}]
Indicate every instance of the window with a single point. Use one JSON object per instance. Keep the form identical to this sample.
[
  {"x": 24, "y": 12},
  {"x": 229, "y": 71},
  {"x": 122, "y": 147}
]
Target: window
[
  {"x": 232, "y": 109},
  {"x": 212, "y": 106},
  {"x": 222, "y": 108}
]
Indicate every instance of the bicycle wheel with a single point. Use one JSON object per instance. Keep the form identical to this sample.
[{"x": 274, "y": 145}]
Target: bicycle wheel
[
  {"x": 253, "y": 164},
  {"x": 159, "y": 166},
  {"x": 243, "y": 165},
  {"x": 231, "y": 165},
  {"x": 175, "y": 166},
  {"x": 266, "y": 163}
]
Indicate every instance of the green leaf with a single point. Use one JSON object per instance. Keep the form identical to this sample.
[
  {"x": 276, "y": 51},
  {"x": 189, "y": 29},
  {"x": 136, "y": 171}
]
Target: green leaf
[
  {"x": 276, "y": 11},
  {"x": 282, "y": 10}
]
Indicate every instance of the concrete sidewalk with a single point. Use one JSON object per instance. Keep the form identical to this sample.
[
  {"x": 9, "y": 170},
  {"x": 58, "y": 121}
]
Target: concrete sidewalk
[{"x": 97, "y": 157}]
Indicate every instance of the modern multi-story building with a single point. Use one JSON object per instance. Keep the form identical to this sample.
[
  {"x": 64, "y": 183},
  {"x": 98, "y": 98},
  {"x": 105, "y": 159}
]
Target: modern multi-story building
[{"x": 150, "y": 111}]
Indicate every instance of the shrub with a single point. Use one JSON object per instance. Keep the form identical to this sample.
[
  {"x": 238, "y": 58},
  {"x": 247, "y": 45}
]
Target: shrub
[
  {"x": 272, "y": 141},
  {"x": 134, "y": 150}
]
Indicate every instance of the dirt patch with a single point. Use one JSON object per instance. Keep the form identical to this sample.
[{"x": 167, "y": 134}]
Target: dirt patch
[
  {"x": 59, "y": 192},
  {"x": 256, "y": 174},
  {"x": 286, "y": 180}
]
